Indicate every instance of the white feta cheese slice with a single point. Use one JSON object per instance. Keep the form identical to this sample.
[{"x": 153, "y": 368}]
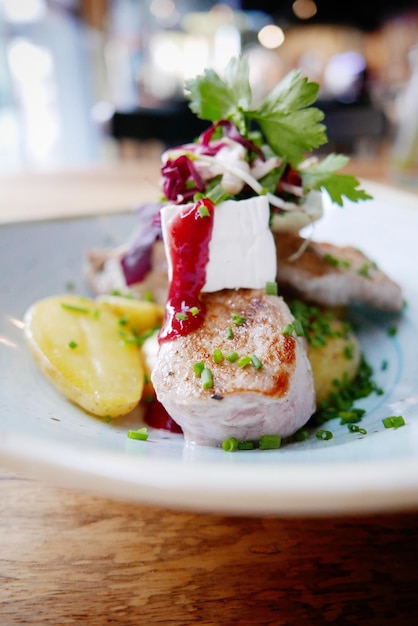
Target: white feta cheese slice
[{"x": 242, "y": 251}]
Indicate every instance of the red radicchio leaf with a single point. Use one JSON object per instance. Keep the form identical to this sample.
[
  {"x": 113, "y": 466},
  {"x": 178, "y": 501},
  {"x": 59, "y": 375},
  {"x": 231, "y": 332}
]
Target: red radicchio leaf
[
  {"x": 136, "y": 262},
  {"x": 177, "y": 176},
  {"x": 231, "y": 131}
]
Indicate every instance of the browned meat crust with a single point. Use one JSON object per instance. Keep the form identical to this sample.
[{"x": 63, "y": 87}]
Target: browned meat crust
[
  {"x": 330, "y": 275},
  {"x": 244, "y": 402}
]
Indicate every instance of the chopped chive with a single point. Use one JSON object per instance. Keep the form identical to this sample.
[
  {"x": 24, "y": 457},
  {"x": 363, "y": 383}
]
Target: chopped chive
[
  {"x": 198, "y": 368},
  {"x": 207, "y": 378},
  {"x": 232, "y": 357},
  {"x": 194, "y": 310},
  {"x": 229, "y": 333},
  {"x": 136, "y": 339},
  {"x": 123, "y": 321},
  {"x": 298, "y": 328},
  {"x": 237, "y": 319},
  {"x": 353, "y": 428},
  {"x": 256, "y": 362},
  {"x": 348, "y": 352},
  {"x": 75, "y": 308},
  {"x": 147, "y": 379},
  {"x": 324, "y": 435},
  {"x": 140, "y": 434},
  {"x": 384, "y": 365},
  {"x": 203, "y": 211},
  {"x": 243, "y": 361},
  {"x": 392, "y": 331},
  {"x": 300, "y": 435},
  {"x": 365, "y": 268},
  {"x": 351, "y": 417},
  {"x": 149, "y": 398},
  {"x": 272, "y": 289},
  {"x": 288, "y": 329},
  {"x": 72, "y": 345},
  {"x": 335, "y": 261},
  {"x": 148, "y": 296},
  {"x": 246, "y": 445},
  {"x": 217, "y": 356},
  {"x": 181, "y": 316},
  {"x": 269, "y": 442},
  {"x": 394, "y": 421},
  {"x": 230, "y": 444}
]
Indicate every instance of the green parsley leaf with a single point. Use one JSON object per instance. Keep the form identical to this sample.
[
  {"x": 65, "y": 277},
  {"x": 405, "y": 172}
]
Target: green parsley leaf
[
  {"x": 214, "y": 98},
  {"x": 289, "y": 123},
  {"x": 323, "y": 176}
]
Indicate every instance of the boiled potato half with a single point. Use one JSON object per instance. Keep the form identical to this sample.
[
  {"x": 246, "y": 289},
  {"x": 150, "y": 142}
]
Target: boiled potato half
[
  {"x": 77, "y": 344},
  {"x": 139, "y": 315},
  {"x": 338, "y": 359}
]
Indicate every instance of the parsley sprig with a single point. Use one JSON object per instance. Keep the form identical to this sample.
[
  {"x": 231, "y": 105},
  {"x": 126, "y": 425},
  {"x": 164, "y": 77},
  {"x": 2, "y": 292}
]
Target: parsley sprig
[{"x": 290, "y": 126}]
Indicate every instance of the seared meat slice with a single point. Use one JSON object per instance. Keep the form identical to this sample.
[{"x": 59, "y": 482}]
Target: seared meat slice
[
  {"x": 103, "y": 273},
  {"x": 244, "y": 402},
  {"x": 329, "y": 275}
]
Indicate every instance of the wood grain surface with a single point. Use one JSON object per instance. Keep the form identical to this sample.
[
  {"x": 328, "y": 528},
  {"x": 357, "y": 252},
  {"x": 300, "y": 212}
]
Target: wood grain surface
[{"x": 70, "y": 558}]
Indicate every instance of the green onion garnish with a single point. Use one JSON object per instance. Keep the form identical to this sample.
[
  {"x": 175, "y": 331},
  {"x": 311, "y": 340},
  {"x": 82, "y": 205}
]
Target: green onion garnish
[
  {"x": 237, "y": 319},
  {"x": 246, "y": 445},
  {"x": 229, "y": 333},
  {"x": 353, "y": 428},
  {"x": 336, "y": 262},
  {"x": 148, "y": 296},
  {"x": 207, "y": 378},
  {"x": 352, "y": 416},
  {"x": 243, "y": 361},
  {"x": 72, "y": 345},
  {"x": 74, "y": 308},
  {"x": 256, "y": 362},
  {"x": 217, "y": 356},
  {"x": 324, "y": 434},
  {"x": 230, "y": 444},
  {"x": 140, "y": 434},
  {"x": 181, "y": 316},
  {"x": 365, "y": 268},
  {"x": 298, "y": 328},
  {"x": 300, "y": 435},
  {"x": 269, "y": 442},
  {"x": 394, "y": 421},
  {"x": 194, "y": 310},
  {"x": 232, "y": 357},
  {"x": 272, "y": 289},
  {"x": 203, "y": 211},
  {"x": 288, "y": 329},
  {"x": 349, "y": 352},
  {"x": 198, "y": 368}
]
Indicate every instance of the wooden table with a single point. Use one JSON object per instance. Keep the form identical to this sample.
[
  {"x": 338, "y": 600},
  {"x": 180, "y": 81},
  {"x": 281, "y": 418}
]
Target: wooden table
[{"x": 69, "y": 557}]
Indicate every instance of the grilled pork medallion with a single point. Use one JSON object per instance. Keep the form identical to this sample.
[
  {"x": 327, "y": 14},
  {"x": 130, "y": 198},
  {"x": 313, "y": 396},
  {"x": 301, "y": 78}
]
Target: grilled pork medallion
[
  {"x": 331, "y": 275},
  {"x": 262, "y": 379}
]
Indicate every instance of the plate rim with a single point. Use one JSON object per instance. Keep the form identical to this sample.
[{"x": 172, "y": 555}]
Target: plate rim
[{"x": 376, "y": 485}]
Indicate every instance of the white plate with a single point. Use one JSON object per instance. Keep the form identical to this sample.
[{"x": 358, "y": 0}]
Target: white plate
[{"x": 43, "y": 435}]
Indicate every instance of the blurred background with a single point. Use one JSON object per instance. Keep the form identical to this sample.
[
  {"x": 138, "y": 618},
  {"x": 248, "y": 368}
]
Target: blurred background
[{"x": 87, "y": 81}]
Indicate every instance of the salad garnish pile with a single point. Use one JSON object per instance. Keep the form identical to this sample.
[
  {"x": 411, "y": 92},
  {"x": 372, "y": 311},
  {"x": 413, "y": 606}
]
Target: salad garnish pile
[{"x": 248, "y": 150}]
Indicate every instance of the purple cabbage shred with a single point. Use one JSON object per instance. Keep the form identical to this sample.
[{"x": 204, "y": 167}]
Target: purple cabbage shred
[{"x": 137, "y": 260}]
